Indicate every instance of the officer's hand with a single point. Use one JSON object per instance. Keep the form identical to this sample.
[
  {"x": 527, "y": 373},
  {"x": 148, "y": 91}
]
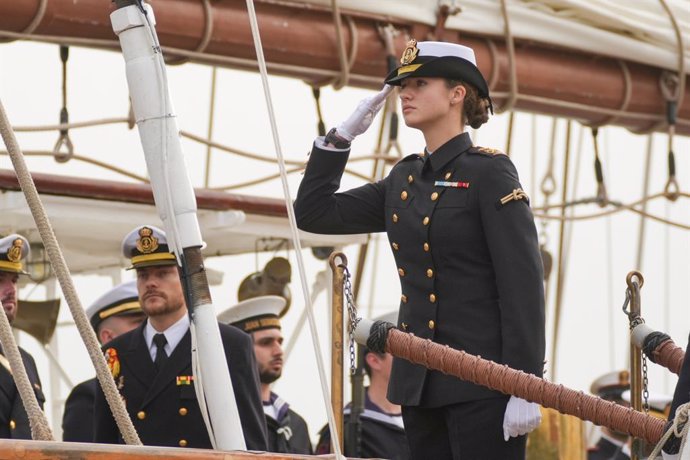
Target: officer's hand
[
  {"x": 520, "y": 418},
  {"x": 666, "y": 456},
  {"x": 364, "y": 114}
]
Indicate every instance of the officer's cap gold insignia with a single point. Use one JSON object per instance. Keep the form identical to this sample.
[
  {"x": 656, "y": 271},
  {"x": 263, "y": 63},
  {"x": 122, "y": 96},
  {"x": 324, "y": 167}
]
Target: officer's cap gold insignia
[
  {"x": 147, "y": 243},
  {"x": 410, "y": 52},
  {"x": 14, "y": 253}
]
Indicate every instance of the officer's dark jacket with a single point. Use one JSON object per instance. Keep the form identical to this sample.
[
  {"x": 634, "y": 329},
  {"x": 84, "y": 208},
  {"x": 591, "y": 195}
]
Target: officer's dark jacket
[
  {"x": 77, "y": 420},
  {"x": 470, "y": 270},
  {"x": 682, "y": 393},
  {"x": 606, "y": 450},
  {"x": 290, "y": 435},
  {"x": 14, "y": 421},
  {"x": 163, "y": 407}
]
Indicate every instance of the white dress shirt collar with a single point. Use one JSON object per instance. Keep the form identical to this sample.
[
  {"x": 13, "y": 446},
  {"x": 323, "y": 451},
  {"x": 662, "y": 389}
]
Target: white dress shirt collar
[{"x": 173, "y": 335}]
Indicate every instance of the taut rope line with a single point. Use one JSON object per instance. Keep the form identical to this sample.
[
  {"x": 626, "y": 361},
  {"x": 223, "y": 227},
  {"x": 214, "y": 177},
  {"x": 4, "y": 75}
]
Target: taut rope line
[{"x": 293, "y": 226}]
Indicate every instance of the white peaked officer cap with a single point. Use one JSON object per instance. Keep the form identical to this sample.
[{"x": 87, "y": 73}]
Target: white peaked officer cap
[
  {"x": 13, "y": 249},
  {"x": 147, "y": 246},
  {"x": 440, "y": 60},
  {"x": 123, "y": 299},
  {"x": 659, "y": 403},
  {"x": 263, "y": 312}
]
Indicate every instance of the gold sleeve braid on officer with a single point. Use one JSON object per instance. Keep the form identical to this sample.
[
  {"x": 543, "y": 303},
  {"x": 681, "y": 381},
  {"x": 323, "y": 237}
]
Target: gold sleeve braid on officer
[
  {"x": 152, "y": 364},
  {"x": 14, "y": 421},
  {"x": 260, "y": 318},
  {"x": 465, "y": 245}
]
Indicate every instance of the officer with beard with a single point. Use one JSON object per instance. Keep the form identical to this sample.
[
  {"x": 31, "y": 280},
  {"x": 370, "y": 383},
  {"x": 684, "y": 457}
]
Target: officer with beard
[
  {"x": 260, "y": 317},
  {"x": 152, "y": 364},
  {"x": 14, "y": 422}
]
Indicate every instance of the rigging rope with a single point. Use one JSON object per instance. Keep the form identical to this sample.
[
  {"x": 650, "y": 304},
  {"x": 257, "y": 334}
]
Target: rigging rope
[
  {"x": 510, "y": 47},
  {"x": 64, "y": 139},
  {"x": 61, "y": 271},
  {"x": 293, "y": 226}
]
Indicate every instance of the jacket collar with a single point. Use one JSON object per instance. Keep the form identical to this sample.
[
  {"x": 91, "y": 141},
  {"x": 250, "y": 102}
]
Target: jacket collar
[{"x": 448, "y": 151}]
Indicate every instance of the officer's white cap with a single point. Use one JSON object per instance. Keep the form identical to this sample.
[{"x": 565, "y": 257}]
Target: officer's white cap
[
  {"x": 123, "y": 299},
  {"x": 257, "y": 313},
  {"x": 147, "y": 246}
]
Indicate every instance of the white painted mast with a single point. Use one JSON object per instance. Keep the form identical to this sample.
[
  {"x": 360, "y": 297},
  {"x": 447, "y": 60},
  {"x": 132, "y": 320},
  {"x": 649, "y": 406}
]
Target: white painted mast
[{"x": 134, "y": 23}]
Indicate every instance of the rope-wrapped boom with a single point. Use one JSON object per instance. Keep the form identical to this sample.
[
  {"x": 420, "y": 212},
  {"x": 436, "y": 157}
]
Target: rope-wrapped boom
[
  {"x": 509, "y": 381},
  {"x": 659, "y": 347}
]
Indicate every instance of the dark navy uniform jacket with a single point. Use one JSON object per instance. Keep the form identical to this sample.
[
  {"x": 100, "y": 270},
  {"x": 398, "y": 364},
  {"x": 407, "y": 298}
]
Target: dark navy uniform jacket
[
  {"x": 289, "y": 433},
  {"x": 682, "y": 393},
  {"x": 163, "y": 405},
  {"x": 14, "y": 421},
  {"x": 77, "y": 420},
  {"x": 470, "y": 270}
]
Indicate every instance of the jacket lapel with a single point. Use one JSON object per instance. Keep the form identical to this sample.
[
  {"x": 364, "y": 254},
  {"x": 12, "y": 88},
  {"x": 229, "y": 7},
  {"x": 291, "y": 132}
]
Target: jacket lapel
[{"x": 179, "y": 360}]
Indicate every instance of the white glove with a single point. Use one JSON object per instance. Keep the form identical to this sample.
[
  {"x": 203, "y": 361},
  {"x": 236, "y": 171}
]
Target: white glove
[
  {"x": 520, "y": 418},
  {"x": 364, "y": 114},
  {"x": 666, "y": 456}
]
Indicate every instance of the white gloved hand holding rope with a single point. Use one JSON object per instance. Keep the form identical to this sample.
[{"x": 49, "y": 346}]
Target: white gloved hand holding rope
[
  {"x": 364, "y": 114},
  {"x": 520, "y": 417}
]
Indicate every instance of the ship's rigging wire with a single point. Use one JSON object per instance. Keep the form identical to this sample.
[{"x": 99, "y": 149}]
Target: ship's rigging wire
[
  {"x": 293, "y": 228},
  {"x": 561, "y": 259},
  {"x": 61, "y": 271},
  {"x": 509, "y": 104}
]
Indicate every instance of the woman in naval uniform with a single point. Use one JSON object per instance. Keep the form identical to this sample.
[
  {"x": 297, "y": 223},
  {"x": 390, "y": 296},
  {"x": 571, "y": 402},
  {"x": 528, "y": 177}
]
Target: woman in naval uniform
[{"x": 465, "y": 245}]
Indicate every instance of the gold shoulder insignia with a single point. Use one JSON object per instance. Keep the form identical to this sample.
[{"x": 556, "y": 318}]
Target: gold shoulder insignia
[
  {"x": 490, "y": 151},
  {"x": 515, "y": 195},
  {"x": 14, "y": 253}
]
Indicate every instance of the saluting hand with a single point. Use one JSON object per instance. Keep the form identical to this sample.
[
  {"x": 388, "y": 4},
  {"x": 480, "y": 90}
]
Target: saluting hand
[
  {"x": 520, "y": 417},
  {"x": 364, "y": 114}
]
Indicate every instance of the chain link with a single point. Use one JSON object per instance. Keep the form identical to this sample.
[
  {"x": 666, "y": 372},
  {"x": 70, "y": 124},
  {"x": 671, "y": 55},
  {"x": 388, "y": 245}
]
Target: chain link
[
  {"x": 352, "y": 317},
  {"x": 645, "y": 381}
]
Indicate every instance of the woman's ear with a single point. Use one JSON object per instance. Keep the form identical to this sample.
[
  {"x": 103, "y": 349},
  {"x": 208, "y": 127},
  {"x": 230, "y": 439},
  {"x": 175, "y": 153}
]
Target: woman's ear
[{"x": 458, "y": 93}]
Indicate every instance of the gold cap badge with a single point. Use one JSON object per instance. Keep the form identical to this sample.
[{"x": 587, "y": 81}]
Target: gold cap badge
[
  {"x": 14, "y": 253},
  {"x": 147, "y": 243},
  {"x": 410, "y": 52}
]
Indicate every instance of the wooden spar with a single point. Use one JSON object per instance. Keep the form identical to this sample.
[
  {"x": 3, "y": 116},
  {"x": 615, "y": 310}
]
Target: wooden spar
[
  {"x": 50, "y": 184},
  {"x": 299, "y": 41},
  {"x": 338, "y": 263},
  {"x": 44, "y": 450}
]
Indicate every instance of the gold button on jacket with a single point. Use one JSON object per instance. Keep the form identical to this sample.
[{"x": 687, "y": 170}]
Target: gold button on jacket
[
  {"x": 431, "y": 324},
  {"x": 141, "y": 415},
  {"x": 403, "y": 195},
  {"x": 183, "y": 411},
  {"x": 183, "y": 443}
]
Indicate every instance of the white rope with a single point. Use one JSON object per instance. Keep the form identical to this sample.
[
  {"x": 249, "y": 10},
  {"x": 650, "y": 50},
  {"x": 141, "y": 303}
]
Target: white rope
[
  {"x": 679, "y": 429},
  {"x": 293, "y": 227}
]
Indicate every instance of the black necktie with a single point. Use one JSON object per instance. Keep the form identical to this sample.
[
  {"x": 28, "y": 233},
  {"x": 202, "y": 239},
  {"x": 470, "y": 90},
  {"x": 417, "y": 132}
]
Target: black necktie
[{"x": 161, "y": 355}]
